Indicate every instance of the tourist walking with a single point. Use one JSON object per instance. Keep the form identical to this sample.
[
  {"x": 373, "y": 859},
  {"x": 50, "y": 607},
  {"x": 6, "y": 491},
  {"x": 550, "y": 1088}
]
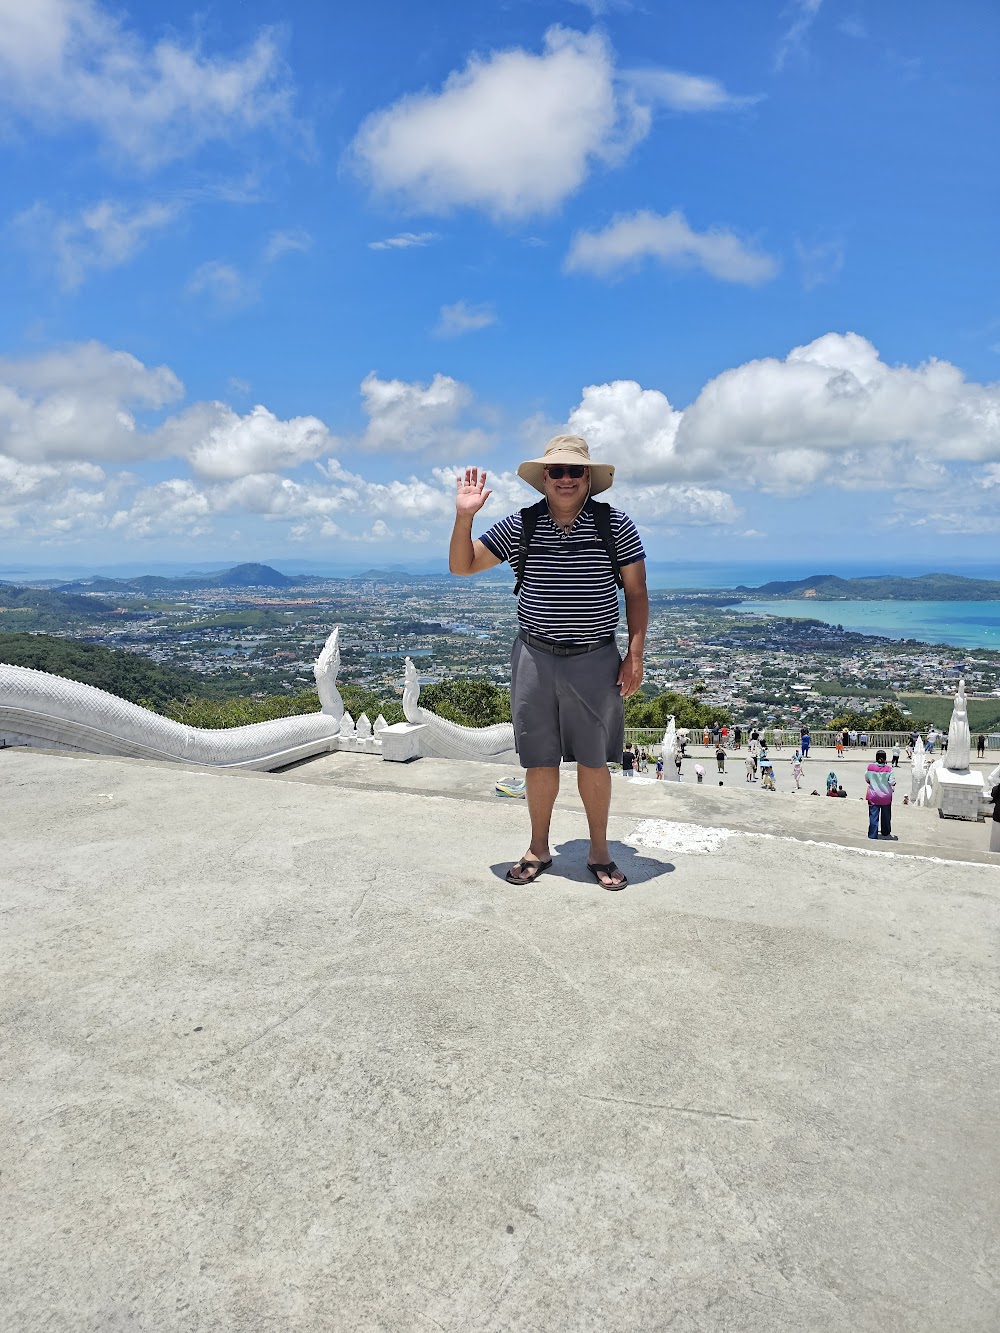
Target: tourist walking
[
  {"x": 797, "y": 771},
  {"x": 806, "y": 742},
  {"x": 628, "y": 761},
  {"x": 931, "y": 741},
  {"x": 881, "y": 783},
  {"x": 720, "y": 759},
  {"x": 751, "y": 767},
  {"x": 895, "y": 754},
  {"x": 980, "y": 746},
  {"x": 779, "y": 738},
  {"x": 737, "y": 738},
  {"x": 840, "y": 747},
  {"x": 678, "y": 758},
  {"x": 570, "y": 556},
  {"x": 863, "y": 740},
  {"x": 659, "y": 768}
]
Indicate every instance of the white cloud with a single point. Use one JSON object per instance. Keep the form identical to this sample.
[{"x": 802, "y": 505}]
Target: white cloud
[
  {"x": 630, "y": 238},
  {"x": 685, "y": 92},
  {"x": 792, "y": 42},
  {"x": 634, "y": 428},
  {"x": 405, "y": 240},
  {"x": 462, "y": 318},
  {"x": 294, "y": 241},
  {"x": 224, "y": 286},
  {"x": 222, "y": 445},
  {"x": 66, "y": 62},
  {"x": 103, "y": 236},
  {"x": 513, "y": 134},
  {"x": 409, "y": 417},
  {"x": 831, "y": 413},
  {"x": 80, "y": 403},
  {"x": 174, "y": 508}
]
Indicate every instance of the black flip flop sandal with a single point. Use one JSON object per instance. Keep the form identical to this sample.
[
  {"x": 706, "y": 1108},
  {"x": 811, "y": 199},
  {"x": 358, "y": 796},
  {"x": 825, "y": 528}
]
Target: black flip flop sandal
[
  {"x": 610, "y": 869},
  {"x": 526, "y": 864}
]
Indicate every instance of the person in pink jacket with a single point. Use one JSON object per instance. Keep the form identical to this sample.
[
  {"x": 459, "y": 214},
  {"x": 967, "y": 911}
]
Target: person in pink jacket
[{"x": 881, "y": 782}]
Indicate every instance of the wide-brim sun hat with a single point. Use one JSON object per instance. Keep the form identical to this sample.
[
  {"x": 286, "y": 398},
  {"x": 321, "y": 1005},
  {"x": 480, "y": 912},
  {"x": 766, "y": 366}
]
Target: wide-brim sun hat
[{"x": 571, "y": 449}]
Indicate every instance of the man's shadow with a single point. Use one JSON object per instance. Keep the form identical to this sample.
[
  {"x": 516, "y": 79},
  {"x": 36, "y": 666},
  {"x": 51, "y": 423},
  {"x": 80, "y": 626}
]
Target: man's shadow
[{"x": 570, "y": 862}]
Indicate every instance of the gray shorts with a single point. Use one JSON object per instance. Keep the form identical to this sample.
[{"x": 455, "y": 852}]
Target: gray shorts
[{"x": 566, "y": 707}]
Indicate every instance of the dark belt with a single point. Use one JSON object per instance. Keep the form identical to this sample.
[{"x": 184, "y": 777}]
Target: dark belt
[{"x": 562, "y": 649}]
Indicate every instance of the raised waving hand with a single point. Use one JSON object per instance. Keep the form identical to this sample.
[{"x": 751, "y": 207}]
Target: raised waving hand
[{"x": 470, "y": 490}]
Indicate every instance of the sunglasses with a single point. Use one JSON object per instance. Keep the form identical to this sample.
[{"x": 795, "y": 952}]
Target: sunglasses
[{"x": 557, "y": 471}]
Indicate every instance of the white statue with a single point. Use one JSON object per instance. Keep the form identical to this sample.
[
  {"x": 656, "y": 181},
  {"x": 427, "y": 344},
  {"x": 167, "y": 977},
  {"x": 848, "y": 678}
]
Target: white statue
[
  {"x": 448, "y": 740},
  {"x": 669, "y": 746},
  {"x": 380, "y": 724},
  {"x": 325, "y": 669},
  {"x": 347, "y": 725},
  {"x": 919, "y": 762},
  {"x": 363, "y": 729},
  {"x": 50, "y": 710},
  {"x": 959, "y": 753}
]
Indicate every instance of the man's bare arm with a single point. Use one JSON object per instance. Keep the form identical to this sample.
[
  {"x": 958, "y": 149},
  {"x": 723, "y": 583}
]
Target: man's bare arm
[
  {"x": 466, "y": 556},
  {"x": 637, "y": 619}
]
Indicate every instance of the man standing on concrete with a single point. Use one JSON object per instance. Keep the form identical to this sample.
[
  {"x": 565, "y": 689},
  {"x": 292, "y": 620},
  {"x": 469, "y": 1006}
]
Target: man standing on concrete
[{"x": 568, "y": 680}]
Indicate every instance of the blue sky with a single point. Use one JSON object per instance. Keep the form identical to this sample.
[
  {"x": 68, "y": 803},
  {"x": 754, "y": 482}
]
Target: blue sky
[{"x": 272, "y": 272}]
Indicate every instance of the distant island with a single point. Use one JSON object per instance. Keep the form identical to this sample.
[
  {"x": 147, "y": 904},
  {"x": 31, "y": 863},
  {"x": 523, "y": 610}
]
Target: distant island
[{"x": 876, "y": 588}]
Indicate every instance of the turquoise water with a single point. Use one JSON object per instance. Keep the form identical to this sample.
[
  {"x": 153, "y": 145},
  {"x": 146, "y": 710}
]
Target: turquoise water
[{"x": 965, "y": 624}]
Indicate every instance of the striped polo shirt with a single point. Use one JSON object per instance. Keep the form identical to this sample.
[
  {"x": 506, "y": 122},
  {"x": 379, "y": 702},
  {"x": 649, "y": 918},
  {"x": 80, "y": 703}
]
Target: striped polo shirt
[{"x": 569, "y": 592}]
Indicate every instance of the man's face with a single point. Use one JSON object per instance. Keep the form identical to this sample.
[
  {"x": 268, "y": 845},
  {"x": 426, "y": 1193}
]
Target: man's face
[{"x": 564, "y": 489}]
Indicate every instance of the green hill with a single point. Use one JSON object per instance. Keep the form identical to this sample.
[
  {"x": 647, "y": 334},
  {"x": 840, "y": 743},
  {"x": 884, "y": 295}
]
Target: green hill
[
  {"x": 240, "y": 576},
  {"x": 40, "y": 609},
  {"x": 881, "y": 587},
  {"x": 128, "y": 675}
]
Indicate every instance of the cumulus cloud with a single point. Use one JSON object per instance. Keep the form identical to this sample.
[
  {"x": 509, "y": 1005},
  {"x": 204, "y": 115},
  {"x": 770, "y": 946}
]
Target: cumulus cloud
[
  {"x": 631, "y": 238},
  {"x": 831, "y": 413},
  {"x": 102, "y": 236},
  {"x": 462, "y": 317},
  {"x": 66, "y": 62},
  {"x": 513, "y": 133},
  {"x": 80, "y": 403},
  {"x": 174, "y": 508},
  {"x": 221, "y": 444},
  {"x": 409, "y": 417},
  {"x": 405, "y": 240}
]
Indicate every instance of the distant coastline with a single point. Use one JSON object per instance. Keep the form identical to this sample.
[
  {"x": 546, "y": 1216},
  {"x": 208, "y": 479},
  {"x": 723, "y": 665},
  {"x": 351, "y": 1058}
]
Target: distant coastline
[{"x": 875, "y": 588}]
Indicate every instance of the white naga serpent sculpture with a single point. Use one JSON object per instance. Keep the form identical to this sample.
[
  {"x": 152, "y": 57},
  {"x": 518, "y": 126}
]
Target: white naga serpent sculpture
[
  {"x": 447, "y": 740},
  {"x": 40, "y": 708}
]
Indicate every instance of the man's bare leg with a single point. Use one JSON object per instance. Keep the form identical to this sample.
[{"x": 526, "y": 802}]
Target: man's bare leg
[
  {"x": 595, "y": 792},
  {"x": 541, "y": 788}
]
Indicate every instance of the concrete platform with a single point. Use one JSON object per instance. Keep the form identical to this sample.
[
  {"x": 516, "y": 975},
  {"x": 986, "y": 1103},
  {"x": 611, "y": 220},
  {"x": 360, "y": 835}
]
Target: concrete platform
[{"x": 287, "y": 1053}]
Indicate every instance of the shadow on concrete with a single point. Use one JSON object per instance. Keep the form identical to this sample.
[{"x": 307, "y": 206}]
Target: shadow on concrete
[{"x": 570, "y": 862}]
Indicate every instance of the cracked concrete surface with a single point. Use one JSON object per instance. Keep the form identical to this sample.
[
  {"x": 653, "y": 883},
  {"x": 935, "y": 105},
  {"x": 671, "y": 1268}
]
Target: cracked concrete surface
[{"x": 286, "y": 1052}]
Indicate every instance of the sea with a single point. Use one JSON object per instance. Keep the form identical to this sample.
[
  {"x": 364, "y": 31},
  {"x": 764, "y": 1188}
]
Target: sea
[{"x": 962, "y": 624}]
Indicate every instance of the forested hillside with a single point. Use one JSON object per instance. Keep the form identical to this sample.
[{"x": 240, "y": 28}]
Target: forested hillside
[
  {"x": 39, "y": 609},
  {"x": 128, "y": 675}
]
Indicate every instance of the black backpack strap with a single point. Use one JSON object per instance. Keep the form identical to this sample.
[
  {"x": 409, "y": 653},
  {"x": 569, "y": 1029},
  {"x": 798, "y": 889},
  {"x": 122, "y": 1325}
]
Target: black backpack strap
[
  {"x": 602, "y": 521},
  {"x": 529, "y": 522}
]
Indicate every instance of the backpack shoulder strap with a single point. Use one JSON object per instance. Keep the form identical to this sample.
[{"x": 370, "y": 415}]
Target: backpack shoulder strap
[
  {"x": 529, "y": 522},
  {"x": 602, "y": 521}
]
